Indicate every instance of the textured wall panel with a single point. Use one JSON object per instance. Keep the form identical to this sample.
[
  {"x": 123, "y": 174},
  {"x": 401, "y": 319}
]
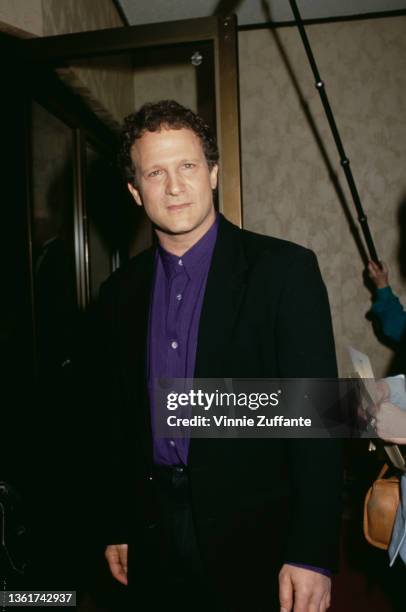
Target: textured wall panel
[
  {"x": 166, "y": 82},
  {"x": 287, "y": 189},
  {"x": 108, "y": 80},
  {"x": 22, "y": 15},
  {"x": 67, "y": 16}
]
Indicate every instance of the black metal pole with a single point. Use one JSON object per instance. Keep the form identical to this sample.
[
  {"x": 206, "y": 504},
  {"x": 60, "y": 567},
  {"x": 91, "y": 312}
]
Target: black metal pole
[{"x": 345, "y": 162}]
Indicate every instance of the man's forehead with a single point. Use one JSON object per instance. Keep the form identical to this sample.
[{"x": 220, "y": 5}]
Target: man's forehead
[{"x": 165, "y": 141}]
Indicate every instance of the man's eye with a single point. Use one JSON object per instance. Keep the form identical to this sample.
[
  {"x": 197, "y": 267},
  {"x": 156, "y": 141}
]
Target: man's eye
[
  {"x": 154, "y": 173},
  {"x": 189, "y": 165}
]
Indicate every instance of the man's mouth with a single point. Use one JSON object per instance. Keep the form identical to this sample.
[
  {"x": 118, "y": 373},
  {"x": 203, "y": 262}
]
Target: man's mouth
[{"x": 176, "y": 207}]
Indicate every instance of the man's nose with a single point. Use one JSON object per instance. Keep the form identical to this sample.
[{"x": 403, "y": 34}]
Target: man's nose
[{"x": 174, "y": 184}]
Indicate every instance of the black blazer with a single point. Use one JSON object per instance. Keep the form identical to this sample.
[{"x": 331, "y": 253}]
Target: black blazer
[{"x": 265, "y": 314}]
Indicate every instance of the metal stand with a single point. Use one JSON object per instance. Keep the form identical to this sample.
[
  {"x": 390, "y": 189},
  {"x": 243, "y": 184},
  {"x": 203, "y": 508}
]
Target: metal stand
[{"x": 345, "y": 162}]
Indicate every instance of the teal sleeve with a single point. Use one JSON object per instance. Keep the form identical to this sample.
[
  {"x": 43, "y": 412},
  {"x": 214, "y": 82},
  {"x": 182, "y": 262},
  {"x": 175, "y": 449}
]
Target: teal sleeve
[{"x": 390, "y": 313}]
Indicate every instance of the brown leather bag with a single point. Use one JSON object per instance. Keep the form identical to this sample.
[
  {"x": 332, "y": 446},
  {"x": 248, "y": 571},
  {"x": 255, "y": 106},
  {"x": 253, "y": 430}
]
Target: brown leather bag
[{"x": 380, "y": 506}]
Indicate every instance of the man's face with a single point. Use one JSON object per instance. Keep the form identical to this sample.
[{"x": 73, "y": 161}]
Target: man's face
[{"x": 174, "y": 182}]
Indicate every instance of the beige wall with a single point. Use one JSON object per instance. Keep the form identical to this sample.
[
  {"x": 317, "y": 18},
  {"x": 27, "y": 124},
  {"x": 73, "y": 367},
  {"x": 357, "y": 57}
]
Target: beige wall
[
  {"x": 176, "y": 82},
  {"x": 287, "y": 191},
  {"x": 22, "y": 15},
  {"x": 51, "y": 17},
  {"x": 106, "y": 83},
  {"x": 67, "y": 16},
  {"x": 108, "y": 80}
]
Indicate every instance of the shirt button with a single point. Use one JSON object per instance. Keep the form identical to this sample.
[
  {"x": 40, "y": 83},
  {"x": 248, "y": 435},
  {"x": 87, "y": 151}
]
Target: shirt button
[
  {"x": 174, "y": 344},
  {"x": 171, "y": 442},
  {"x": 180, "y": 262},
  {"x": 179, "y": 297}
]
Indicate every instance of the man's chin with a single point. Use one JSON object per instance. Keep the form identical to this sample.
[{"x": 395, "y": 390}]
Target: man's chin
[
  {"x": 177, "y": 229},
  {"x": 179, "y": 225}
]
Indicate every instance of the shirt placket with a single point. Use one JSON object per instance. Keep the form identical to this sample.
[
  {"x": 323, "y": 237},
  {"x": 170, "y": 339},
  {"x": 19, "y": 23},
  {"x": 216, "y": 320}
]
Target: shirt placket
[{"x": 176, "y": 350}]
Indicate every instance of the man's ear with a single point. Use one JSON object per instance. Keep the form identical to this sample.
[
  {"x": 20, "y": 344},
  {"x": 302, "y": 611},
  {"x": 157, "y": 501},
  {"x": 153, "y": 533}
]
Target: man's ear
[
  {"x": 135, "y": 194},
  {"x": 213, "y": 176}
]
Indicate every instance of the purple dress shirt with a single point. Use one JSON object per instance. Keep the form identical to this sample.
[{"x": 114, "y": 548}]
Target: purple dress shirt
[{"x": 177, "y": 300}]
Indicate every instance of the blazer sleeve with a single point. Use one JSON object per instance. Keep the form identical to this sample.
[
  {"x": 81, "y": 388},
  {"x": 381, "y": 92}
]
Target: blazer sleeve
[
  {"x": 109, "y": 490},
  {"x": 305, "y": 348}
]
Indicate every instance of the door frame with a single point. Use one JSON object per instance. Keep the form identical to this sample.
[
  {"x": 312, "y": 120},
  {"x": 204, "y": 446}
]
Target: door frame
[{"x": 53, "y": 51}]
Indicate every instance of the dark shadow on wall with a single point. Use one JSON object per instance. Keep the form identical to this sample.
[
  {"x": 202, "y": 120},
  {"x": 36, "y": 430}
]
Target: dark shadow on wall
[
  {"x": 121, "y": 224},
  {"x": 110, "y": 207},
  {"x": 226, "y": 7}
]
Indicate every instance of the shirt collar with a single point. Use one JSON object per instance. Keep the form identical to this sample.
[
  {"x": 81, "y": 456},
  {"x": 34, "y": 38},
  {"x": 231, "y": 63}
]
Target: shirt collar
[{"x": 191, "y": 262}]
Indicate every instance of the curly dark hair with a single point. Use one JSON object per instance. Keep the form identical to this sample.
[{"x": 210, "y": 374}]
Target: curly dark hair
[{"x": 154, "y": 116}]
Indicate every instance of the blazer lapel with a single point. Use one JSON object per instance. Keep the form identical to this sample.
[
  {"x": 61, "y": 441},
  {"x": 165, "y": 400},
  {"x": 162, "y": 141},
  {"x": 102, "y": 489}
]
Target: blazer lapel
[{"x": 224, "y": 292}]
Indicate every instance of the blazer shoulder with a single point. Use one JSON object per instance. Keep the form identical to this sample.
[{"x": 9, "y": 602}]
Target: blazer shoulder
[
  {"x": 130, "y": 270},
  {"x": 258, "y": 245}
]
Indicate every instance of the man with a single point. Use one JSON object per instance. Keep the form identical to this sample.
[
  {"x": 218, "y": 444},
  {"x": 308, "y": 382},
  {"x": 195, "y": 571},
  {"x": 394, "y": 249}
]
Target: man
[{"x": 212, "y": 520}]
